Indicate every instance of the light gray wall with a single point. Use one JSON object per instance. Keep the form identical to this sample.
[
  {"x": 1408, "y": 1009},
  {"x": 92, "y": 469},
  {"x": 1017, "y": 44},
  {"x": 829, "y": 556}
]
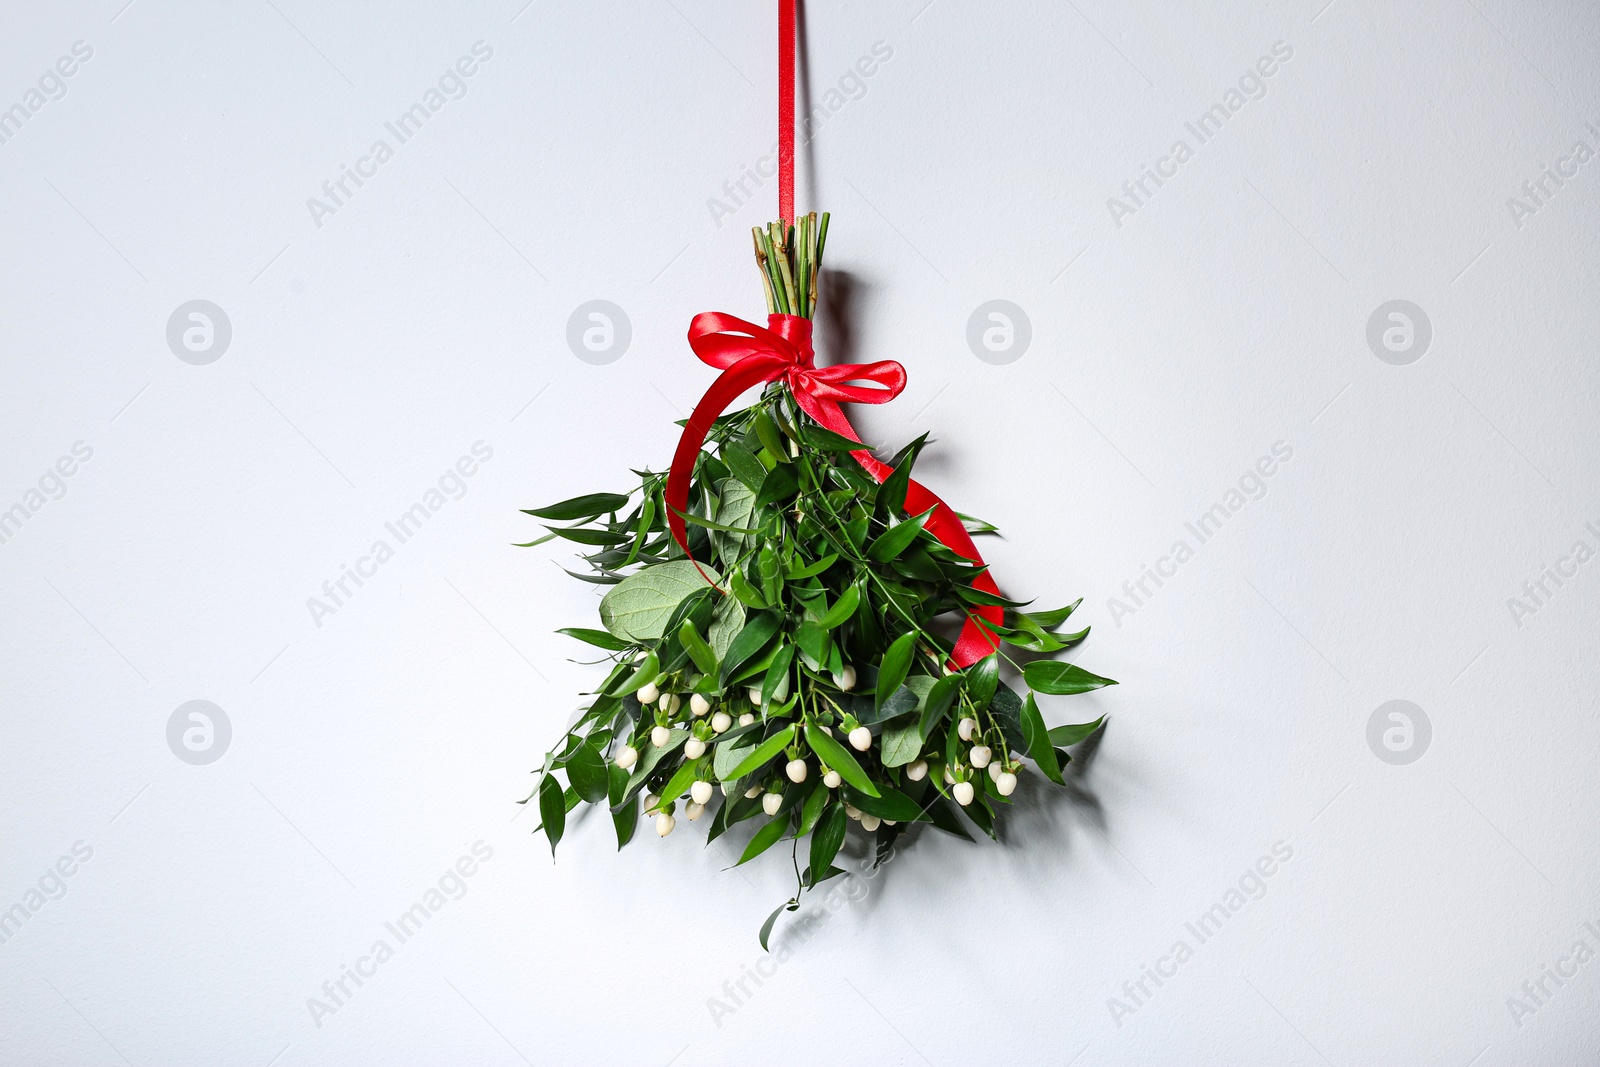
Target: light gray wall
[{"x": 1176, "y": 341}]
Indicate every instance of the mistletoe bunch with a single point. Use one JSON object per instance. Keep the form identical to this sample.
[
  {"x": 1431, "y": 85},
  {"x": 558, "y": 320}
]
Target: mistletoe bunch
[{"x": 797, "y": 660}]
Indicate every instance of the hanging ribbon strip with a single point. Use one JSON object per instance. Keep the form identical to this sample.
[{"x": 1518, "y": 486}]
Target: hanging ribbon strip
[
  {"x": 786, "y": 47},
  {"x": 749, "y": 356}
]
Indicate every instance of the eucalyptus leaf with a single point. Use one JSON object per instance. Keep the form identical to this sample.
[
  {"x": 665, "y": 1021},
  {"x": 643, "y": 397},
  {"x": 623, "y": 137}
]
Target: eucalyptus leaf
[{"x": 637, "y": 610}]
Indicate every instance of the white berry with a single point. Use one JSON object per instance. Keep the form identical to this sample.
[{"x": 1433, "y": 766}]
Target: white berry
[
  {"x": 949, "y": 776},
  {"x": 699, "y": 705},
  {"x": 659, "y": 736},
  {"x": 966, "y": 727},
  {"x": 670, "y": 703},
  {"x": 852, "y": 811},
  {"x": 721, "y": 721},
  {"x": 650, "y": 800},
  {"x": 831, "y": 779},
  {"x": 771, "y": 802},
  {"x": 979, "y": 756},
  {"x": 648, "y": 693},
  {"x": 627, "y": 757},
  {"x": 753, "y": 792},
  {"x": 746, "y": 719},
  {"x": 1005, "y": 783},
  {"x": 845, "y": 678},
  {"x": 963, "y": 792},
  {"x": 796, "y": 770},
  {"x": 918, "y": 770},
  {"x": 870, "y": 822},
  {"x": 700, "y": 792},
  {"x": 754, "y": 692},
  {"x": 996, "y": 768},
  {"x": 694, "y": 748},
  {"x": 861, "y": 739},
  {"x": 664, "y": 824},
  {"x": 694, "y": 811}
]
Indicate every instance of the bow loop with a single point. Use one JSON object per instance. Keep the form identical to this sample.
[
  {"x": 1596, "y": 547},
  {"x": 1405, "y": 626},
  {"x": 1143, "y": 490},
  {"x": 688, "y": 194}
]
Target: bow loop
[{"x": 749, "y": 355}]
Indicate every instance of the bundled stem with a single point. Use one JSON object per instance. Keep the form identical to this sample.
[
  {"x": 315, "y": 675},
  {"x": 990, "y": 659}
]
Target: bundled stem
[{"x": 790, "y": 258}]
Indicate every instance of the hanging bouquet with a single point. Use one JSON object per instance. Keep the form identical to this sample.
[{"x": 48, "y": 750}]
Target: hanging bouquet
[{"x": 780, "y": 618}]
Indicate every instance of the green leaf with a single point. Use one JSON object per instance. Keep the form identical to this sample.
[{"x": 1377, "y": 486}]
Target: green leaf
[
  {"x": 704, "y": 656},
  {"x": 983, "y": 678},
  {"x": 552, "y": 809},
  {"x": 725, "y": 625},
  {"x": 897, "y": 538},
  {"x": 744, "y": 592},
  {"x": 580, "y": 507},
  {"x": 582, "y": 536},
  {"x": 598, "y": 638},
  {"x": 736, "y": 510},
  {"x": 892, "y": 494},
  {"x": 709, "y": 524},
  {"x": 752, "y": 639},
  {"x": 939, "y": 699},
  {"x": 763, "y": 753},
  {"x": 901, "y": 744},
  {"x": 1061, "y": 679},
  {"x": 767, "y": 433},
  {"x": 842, "y": 609},
  {"x": 1006, "y": 707},
  {"x": 679, "y": 783},
  {"x": 652, "y": 756},
  {"x": 781, "y": 483},
  {"x": 811, "y": 570},
  {"x": 792, "y": 904},
  {"x": 775, "y": 685},
  {"x": 829, "y": 836},
  {"x": 895, "y": 666},
  {"x": 729, "y": 754},
  {"x": 638, "y": 609},
  {"x": 646, "y": 673},
  {"x": 811, "y": 810},
  {"x": 765, "y": 838},
  {"x": 1051, "y": 619},
  {"x": 839, "y": 758},
  {"x": 813, "y": 641},
  {"x": 1033, "y": 728},
  {"x": 1065, "y": 736},
  {"x": 624, "y": 817},
  {"x": 744, "y": 465},
  {"x": 892, "y": 804},
  {"x": 825, "y": 440},
  {"x": 902, "y": 701},
  {"x": 586, "y": 770}
]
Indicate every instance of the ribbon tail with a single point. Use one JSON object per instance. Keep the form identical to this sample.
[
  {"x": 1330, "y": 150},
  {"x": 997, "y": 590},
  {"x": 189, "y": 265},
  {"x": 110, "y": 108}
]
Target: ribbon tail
[
  {"x": 976, "y": 639},
  {"x": 729, "y": 384}
]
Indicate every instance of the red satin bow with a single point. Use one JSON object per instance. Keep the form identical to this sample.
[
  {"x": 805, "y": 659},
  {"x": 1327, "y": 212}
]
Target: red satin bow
[{"x": 749, "y": 356}]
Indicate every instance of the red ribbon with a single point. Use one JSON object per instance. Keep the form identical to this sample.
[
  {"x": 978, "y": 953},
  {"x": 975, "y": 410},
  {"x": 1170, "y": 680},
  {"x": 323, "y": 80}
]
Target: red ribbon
[{"x": 749, "y": 356}]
